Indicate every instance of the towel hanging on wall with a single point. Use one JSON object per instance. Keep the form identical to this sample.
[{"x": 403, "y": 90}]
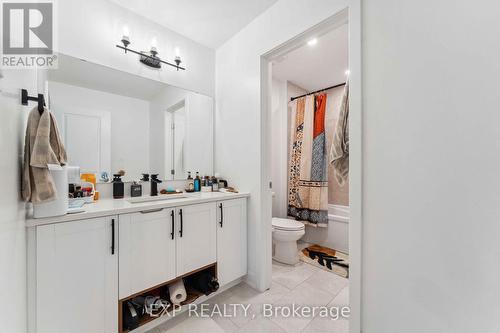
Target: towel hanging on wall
[{"x": 42, "y": 146}]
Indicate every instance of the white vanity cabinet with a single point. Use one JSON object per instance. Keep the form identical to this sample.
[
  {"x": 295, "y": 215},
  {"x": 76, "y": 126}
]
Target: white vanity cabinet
[
  {"x": 147, "y": 250},
  {"x": 82, "y": 269},
  {"x": 196, "y": 237},
  {"x": 231, "y": 240},
  {"x": 159, "y": 245},
  {"x": 76, "y": 276}
]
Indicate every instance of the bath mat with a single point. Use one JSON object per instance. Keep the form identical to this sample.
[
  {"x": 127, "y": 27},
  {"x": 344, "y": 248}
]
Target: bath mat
[{"x": 338, "y": 260}]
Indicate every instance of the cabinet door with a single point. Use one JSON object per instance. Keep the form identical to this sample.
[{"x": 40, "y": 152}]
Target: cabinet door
[
  {"x": 147, "y": 250},
  {"x": 196, "y": 237},
  {"x": 231, "y": 240},
  {"x": 77, "y": 277}
]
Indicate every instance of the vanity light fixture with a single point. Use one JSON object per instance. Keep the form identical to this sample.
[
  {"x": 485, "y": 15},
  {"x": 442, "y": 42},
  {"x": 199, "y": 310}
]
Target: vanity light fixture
[{"x": 152, "y": 59}]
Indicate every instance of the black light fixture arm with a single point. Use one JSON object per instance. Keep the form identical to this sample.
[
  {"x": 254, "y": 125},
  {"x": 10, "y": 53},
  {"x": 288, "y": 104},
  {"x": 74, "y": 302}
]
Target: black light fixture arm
[{"x": 151, "y": 57}]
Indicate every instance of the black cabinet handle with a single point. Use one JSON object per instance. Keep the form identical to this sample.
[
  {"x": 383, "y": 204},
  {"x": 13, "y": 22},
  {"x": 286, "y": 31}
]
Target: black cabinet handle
[
  {"x": 180, "y": 229},
  {"x": 173, "y": 223},
  {"x": 112, "y": 236},
  {"x": 221, "y": 215}
]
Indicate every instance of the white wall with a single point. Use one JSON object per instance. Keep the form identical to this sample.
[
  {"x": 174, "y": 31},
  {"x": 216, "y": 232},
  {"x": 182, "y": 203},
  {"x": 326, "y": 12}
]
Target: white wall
[
  {"x": 90, "y": 30},
  {"x": 129, "y": 144},
  {"x": 12, "y": 230},
  {"x": 431, "y": 231},
  {"x": 238, "y": 89}
]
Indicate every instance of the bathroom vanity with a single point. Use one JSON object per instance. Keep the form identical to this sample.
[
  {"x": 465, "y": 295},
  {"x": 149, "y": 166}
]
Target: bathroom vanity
[
  {"x": 85, "y": 268},
  {"x": 81, "y": 267}
]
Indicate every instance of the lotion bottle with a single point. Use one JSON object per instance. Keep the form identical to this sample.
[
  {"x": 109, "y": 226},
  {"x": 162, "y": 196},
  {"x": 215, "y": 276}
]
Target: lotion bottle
[{"x": 197, "y": 182}]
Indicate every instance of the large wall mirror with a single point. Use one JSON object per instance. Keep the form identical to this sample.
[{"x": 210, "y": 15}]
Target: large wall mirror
[{"x": 111, "y": 120}]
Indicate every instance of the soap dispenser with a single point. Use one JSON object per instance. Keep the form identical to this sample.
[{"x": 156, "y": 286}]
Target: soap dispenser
[{"x": 118, "y": 187}]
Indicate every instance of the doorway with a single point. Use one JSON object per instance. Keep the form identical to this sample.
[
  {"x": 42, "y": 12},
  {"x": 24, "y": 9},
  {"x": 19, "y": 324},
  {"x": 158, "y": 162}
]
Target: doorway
[
  {"x": 175, "y": 132},
  {"x": 351, "y": 17}
]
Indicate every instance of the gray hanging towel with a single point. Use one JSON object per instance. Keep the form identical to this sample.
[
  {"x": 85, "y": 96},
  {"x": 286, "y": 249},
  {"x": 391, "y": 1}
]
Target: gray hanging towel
[
  {"x": 42, "y": 146},
  {"x": 339, "y": 152}
]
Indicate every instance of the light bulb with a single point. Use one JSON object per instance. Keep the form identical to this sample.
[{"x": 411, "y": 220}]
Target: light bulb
[
  {"x": 347, "y": 72},
  {"x": 177, "y": 52},
  {"x": 312, "y": 42},
  {"x": 125, "y": 38}
]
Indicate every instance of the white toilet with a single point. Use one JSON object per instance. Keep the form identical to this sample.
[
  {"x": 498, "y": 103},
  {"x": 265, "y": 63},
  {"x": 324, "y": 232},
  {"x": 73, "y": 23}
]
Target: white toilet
[{"x": 286, "y": 233}]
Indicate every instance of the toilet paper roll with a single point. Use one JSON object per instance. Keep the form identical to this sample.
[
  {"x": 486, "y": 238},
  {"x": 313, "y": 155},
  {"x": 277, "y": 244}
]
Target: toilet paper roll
[{"x": 177, "y": 292}]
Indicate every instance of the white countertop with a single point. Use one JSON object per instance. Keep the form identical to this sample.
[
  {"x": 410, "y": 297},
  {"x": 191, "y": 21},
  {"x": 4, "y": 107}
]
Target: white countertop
[{"x": 107, "y": 207}]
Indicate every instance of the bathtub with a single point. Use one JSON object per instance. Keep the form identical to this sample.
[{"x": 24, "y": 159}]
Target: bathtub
[{"x": 336, "y": 236}]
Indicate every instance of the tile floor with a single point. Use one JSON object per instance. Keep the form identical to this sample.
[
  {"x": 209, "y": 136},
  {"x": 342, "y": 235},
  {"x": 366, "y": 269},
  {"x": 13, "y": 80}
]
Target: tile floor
[{"x": 303, "y": 284}]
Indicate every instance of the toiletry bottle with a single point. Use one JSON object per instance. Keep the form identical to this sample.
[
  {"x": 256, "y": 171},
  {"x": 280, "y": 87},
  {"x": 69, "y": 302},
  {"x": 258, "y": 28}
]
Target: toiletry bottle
[
  {"x": 215, "y": 184},
  {"x": 197, "y": 182},
  {"x": 135, "y": 189},
  {"x": 190, "y": 183},
  {"x": 118, "y": 187}
]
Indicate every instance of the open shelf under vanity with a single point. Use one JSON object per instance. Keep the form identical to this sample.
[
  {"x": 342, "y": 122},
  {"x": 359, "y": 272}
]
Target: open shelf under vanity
[{"x": 193, "y": 295}]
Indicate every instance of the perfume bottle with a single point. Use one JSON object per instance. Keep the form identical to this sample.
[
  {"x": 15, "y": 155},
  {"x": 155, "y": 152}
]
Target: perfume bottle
[
  {"x": 118, "y": 187},
  {"x": 135, "y": 190},
  {"x": 190, "y": 183}
]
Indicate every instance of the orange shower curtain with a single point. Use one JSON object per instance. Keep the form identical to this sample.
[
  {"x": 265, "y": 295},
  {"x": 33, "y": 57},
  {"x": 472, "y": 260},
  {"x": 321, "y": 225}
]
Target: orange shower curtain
[{"x": 308, "y": 179}]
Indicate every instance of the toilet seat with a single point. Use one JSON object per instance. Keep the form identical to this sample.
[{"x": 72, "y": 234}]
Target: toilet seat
[{"x": 287, "y": 224}]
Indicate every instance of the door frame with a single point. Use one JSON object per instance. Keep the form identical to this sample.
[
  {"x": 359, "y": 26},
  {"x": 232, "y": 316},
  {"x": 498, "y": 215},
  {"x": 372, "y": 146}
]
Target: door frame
[
  {"x": 352, "y": 15},
  {"x": 183, "y": 103}
]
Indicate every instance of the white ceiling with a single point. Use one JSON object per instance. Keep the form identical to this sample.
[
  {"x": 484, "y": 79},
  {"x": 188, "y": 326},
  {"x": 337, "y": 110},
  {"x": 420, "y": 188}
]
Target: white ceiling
[
  {"x": 208, "y": 22},
  {"x": 319, "y": 66}
]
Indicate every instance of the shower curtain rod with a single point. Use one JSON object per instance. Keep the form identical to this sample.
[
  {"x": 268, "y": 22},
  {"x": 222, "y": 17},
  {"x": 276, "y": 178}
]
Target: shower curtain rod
[{"x": 317, "y": 91}]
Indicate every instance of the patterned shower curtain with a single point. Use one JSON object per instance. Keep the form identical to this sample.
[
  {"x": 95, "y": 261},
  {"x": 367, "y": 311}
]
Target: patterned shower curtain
[{"x": 308, "y": 179}]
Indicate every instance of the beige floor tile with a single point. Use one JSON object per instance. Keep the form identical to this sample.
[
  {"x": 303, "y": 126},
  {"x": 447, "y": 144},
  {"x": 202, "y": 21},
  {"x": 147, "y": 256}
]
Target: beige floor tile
[
  {"x": 194, "y": 324},
  {"x": 261, "y": 325},
  {"x": 320, "y": 325},
  {"x": 170, "y": 323},
  {"x": 226, "y": 324},
  {"x": 236, "y": 317},
  {"x": 305, "y": 294},
  {"x": 342, "y": 298},
  {"x": 335, "y": 324},
  {"x": 291, "y": 276},
  {"x": 328, "y": 281},
  {"x": 245, "y": 293}
]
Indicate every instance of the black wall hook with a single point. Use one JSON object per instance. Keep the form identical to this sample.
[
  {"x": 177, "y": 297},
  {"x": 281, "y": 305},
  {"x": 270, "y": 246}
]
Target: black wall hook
[{"x": 40, "y": 99}]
